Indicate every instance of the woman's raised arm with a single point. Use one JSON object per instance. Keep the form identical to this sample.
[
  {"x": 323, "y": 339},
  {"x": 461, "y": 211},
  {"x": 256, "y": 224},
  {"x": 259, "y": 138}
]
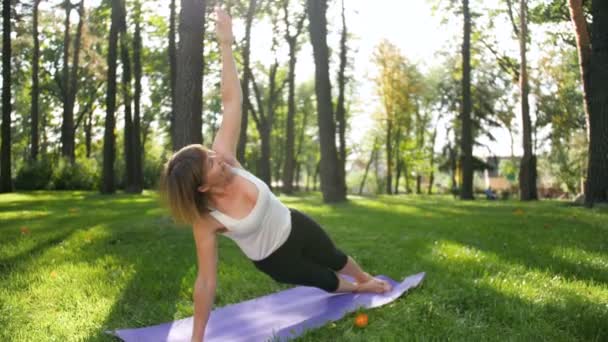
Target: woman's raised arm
[{"x": 227, "y": 137}]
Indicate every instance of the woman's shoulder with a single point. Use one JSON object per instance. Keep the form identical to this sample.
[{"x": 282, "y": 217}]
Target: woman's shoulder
[{"x": 206, "y": 222}]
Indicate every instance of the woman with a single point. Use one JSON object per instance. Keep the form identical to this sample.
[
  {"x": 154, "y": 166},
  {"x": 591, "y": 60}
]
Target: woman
[{"x": 210, "y": 190}]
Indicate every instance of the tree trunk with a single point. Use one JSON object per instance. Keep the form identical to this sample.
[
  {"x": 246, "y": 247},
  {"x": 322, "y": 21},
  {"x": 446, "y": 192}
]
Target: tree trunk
[
  {"x": 189, "y": 77},
  {"x": 88, "y": 126},
  {"x": 596, "y": 189},
  {"x": 418, "y": 184},
  {"x": 35, "y": 83},
  {"x": 527, "y": 172},
  {"x": 368, "y": 165},
  {"x": 292, "y": 41},
  {"x": 432, "y": 157},
  {"x": 296, "y": 181},
  {"x": 316, "y": 176},
  {"x": 128, "y": 142},
  {"x": 5, "y": 163},
  {"x": 466, "y": 191},
  {"x": 137, "y": 150},
  {"x": 172, "y": 67},
  {"x": 265, "y": 174},
  {"x": 408, "y": 190},
  {"x": 66, "y": 120},
  {"x": 341, "y": 108},
  {"x": 240, "y": 150},
  {"x": 389, "y": 155},
  {"x": 291, "y": 111},
  {"x": 583, "y": 45},
  {"x": 332, "y": 184},
  {"x": 109, "y": 139},
  {"x": 70, "y": 83},
  {"x": 399, "y": 169}
]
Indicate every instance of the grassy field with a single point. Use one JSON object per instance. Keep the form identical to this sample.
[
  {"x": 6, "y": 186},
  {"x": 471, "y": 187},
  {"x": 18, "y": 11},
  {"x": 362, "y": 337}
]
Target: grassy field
[{"x": 73, "y": 264}]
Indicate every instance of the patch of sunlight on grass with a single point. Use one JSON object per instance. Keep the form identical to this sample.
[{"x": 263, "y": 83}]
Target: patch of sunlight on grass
[
  {"x": 134, "y": 199},
  {"x": 26, "y": 197},
  {"x": 512, "y": 279},
  {"x": 581, "y": 257},
  {"x": 24, "y": 214}
]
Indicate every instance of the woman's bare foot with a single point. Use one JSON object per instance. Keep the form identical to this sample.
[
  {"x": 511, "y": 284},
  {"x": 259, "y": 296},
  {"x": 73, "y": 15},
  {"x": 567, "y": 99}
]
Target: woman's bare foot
[
  {"x": 374, "y": 285},
  {"x": 363, "y": 278}
]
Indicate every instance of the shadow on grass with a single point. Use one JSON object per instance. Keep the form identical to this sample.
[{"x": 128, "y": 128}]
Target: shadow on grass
[
  {"x": 524, "y": 239},
  {"x": 566, "y": 314}
]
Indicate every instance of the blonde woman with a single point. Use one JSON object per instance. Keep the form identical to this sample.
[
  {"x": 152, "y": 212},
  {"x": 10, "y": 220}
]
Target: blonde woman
[{"x": 210, "y": 190}]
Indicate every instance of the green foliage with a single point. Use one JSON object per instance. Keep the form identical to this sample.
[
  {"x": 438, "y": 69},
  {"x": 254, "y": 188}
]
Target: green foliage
[
  {"x": 510, "y": 170},
  {"x": 34, "y": 175},
  {"x": 82, "y": 175}
]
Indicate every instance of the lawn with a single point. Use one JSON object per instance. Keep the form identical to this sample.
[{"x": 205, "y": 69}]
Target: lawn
[{"x": 73, "y": 264}]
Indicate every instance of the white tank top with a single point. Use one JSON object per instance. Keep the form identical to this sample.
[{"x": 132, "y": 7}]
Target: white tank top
[{"x": 264, "y": 229}]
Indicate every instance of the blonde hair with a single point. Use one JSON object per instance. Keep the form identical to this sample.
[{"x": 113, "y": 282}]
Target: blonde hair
[{"x": 180, "y": 178}]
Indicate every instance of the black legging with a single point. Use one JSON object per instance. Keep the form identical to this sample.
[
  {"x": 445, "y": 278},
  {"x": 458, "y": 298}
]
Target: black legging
[{"x": 308, "y": 257}]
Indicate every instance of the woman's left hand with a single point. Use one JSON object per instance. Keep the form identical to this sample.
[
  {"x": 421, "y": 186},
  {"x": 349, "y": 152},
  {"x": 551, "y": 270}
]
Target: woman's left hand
[{"x": 223, "y": 26}]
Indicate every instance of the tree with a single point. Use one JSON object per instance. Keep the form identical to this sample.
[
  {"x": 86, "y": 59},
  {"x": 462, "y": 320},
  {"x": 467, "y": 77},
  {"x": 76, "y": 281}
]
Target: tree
[
  {"x": 333, "y": 184},
  {"x": 138, "y": 181},
  {"x": 129, "y": 136},
  {"x": 466, "y": 143},
  {"x": 35, "y": 83},
  {"x": 340, "y": 106},
  {"x": 109, "y": 139},
  {"x": 593, "y": 58},
  {"x": 246, "y": 54},
  {"x": 292, "y": 41},
  {"x": 5, "y": 163},
  {"x": 172, "y": 67},
  {"x": 395, "y": 84},
  {"x": 70, "y": 81},
  {"x": 527, "y": 171},
  {"x": 187, "y": 128}
]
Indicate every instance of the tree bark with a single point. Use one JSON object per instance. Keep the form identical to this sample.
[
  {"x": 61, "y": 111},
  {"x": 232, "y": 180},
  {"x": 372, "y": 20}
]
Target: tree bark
[
  {"x": 128, "y": 142},
  {"x": 292, "y": 41},
  {"x": 389, "y": 155},
  {"x": 189, "y": 87},
  {"x": 341, "y": 108},
  {"x": 596, "y": 187},
  {"x": 70, "y": 83},
  {"x": 137, "y": 150},
  {"x": 109, "y": 140},
  {"x": 67, "y": 121},
  {"x": 332, "y": 184},
  {"x": 5, "y": 164},
  {"x": 466, "y": 191},
  {"x": 398, "y": 176},
  {"x": 172, "y": 67},
  {"x": 240, "y": 150},
  {"x": 527, "y": 172},
  {"x": 88, "y": 126},
  {"x": 368, "y": 165},
  {"x": 35, "y": 84}
]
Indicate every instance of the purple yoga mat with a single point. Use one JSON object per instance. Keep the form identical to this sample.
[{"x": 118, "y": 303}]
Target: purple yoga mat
[{"x": 280, "y": 316}]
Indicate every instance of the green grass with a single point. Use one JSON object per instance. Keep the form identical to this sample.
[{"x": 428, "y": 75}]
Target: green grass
[{"x": 495, "y": 270}]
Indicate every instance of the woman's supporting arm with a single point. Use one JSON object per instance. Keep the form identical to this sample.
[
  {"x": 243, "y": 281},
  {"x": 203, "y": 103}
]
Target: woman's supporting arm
[{"x": 206, "y": 281}]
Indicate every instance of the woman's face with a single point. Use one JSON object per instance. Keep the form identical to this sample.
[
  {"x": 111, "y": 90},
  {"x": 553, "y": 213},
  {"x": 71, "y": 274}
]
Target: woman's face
[{"x": 217, "y": 171}]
